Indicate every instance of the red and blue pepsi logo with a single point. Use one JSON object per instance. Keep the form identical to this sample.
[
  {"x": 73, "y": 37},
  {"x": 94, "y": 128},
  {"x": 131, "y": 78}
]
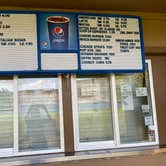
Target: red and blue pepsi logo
[
  {"x": 44, "y": 43},
  {"x": 58, "y": 31}
]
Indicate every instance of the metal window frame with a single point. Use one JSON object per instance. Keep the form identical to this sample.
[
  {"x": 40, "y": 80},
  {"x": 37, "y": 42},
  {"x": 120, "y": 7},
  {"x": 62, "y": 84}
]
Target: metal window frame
[
  {"x": 116, "y": 143},
  {"x": 15, "y": 150},
  {"x": 89, "y": 145}
]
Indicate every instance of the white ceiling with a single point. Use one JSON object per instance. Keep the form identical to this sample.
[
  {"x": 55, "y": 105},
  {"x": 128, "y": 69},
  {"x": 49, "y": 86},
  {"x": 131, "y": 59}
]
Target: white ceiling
[{"x": 118, "y": 5}]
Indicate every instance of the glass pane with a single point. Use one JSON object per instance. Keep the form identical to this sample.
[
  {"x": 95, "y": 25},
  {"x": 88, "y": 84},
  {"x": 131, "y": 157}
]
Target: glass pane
[
  {"x": 38, "y": 114},
  {"x": 135, "y": 108},
  {"x": 6, "y": 114},
  {"x": 94, "y": 109}
]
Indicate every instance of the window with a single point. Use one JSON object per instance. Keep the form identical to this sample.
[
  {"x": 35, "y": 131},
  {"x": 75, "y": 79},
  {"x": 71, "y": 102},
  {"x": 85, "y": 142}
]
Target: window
[
  {"x": 94, "y": 107},
  {"x": 134, "y": 105},
  {"x": 113, "y": 111},
  {"x": 109, "y": 111},
  {"x": 6, "y": 115},
  {"x": 31, "y": 115}
]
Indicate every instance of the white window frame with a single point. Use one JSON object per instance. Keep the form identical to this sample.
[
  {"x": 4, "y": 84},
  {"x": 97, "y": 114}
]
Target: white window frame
[
  {"x": 15, "y": 150},
  {"x": 77, "y": 144},
  {"x": 116, "y": 143}
]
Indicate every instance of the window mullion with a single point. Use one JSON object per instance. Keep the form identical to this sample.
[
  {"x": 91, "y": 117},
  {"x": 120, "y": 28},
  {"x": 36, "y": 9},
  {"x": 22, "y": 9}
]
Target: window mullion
[
  {"x": 15, "y": 114},
  {"x": 75, "y": 111},
  {"x": 61, "y": 113},
  {"x": 153, "y": 100},
  {"x": 115, "y": 111}
]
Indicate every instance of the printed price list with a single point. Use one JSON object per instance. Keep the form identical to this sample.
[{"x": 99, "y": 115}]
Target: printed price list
[
  {"x": 18, "y": 42},
  {"x": 109, "y": 42}
]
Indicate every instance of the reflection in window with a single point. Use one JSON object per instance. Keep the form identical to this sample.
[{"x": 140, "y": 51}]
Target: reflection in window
[
  {"x": 134, "y": 108},
  {"x": 94, "y": 109},
  {"x": 6, "y": 114},
  {"x": 38, "y": 114}
]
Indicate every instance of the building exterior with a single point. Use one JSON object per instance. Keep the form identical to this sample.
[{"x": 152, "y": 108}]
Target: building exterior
[{"x": 92, "y": 118}]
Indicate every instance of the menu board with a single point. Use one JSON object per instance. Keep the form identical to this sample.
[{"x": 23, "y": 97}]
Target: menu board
[
  {"x": 18, "y": 42},
  {"x": 109, "y": 43},
  {"x": 39, "y": 42}
]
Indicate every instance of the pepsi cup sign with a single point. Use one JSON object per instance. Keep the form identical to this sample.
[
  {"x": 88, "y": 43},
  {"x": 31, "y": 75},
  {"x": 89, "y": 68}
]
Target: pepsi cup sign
[{"x": 58, "y": 28}]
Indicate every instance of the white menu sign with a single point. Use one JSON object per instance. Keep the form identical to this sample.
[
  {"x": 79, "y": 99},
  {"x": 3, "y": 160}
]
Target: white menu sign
[
  {"x": 18, "y": 42},
  {"x": 109, "y": 43}
]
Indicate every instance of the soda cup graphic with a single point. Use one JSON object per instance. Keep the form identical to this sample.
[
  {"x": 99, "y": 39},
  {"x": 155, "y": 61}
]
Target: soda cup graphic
[{"x": 58, "y": 29}]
